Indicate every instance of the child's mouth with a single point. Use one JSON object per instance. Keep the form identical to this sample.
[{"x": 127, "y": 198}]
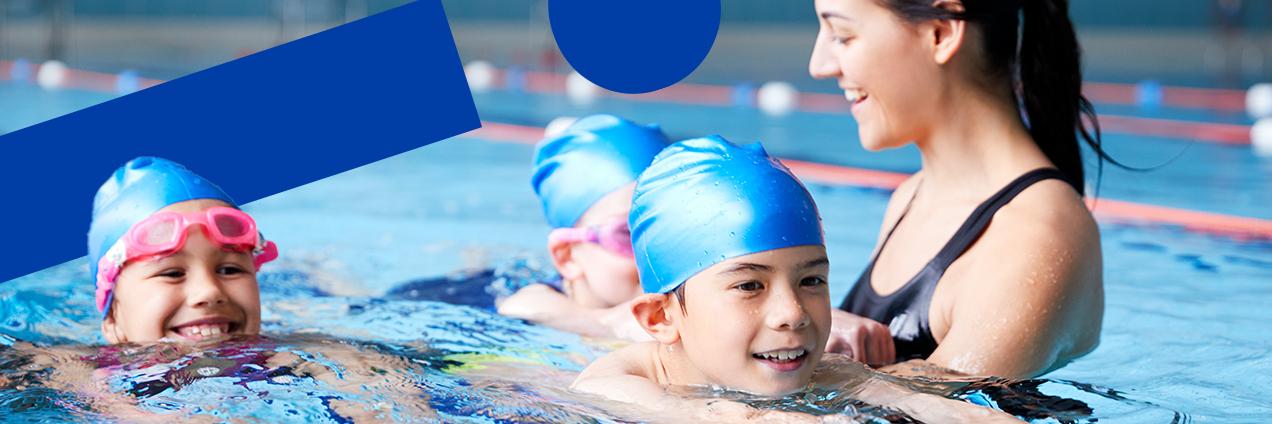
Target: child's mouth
[
  {"x": 785, "y": 360},
  {"x": 205, "y": 329}
]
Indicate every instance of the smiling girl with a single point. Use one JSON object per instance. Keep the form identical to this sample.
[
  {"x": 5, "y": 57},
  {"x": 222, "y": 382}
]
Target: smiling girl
[{"x": 173, "y": 257}]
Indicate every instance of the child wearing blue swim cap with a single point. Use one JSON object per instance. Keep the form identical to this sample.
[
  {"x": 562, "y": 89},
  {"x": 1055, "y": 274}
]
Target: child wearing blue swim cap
[
  {"x": 584, "y": 179},
  {"x": 172, "y": 256},
  {"x": 175, "y": 265},
  {"x": 732, "y": 260}
]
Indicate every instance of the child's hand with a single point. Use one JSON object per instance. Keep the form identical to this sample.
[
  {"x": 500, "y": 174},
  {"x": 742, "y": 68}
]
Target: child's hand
[{"x": 863, "y": 339}]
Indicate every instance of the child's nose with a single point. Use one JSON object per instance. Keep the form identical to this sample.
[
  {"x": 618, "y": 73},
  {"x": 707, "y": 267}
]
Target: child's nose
[
  {"x": 203, "y": 290},
  {"x": 787, "y": 313}
]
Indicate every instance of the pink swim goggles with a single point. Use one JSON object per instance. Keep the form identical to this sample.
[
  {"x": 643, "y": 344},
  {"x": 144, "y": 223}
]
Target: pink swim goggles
[
  {"x": 614, "y": 236},
  {"x": 165, "y": 233}
]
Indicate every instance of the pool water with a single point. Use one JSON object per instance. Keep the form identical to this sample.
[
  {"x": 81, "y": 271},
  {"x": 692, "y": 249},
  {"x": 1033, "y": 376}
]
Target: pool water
[{"x": 1185, "y": 336}]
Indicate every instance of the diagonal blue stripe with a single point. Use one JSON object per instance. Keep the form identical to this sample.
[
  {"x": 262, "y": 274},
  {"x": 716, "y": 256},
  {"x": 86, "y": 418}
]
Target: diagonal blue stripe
[{"x": 256, "y": 126}]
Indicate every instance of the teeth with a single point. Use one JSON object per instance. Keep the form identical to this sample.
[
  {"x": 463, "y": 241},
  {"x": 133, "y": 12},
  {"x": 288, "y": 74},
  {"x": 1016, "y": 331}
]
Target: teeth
[
  {"x": 782, "y": 355},
  {"x": 204, "y": 330},
  {"x": 854, "y": 95}
]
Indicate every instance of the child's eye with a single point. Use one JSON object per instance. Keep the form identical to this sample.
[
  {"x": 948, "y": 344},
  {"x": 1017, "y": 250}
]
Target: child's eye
[
  {"x": 171, "y": 273},
  {"x": 231, "y": 270},
  {"x": 815, "y": 281},
  {"x": 750, "y": 286}
]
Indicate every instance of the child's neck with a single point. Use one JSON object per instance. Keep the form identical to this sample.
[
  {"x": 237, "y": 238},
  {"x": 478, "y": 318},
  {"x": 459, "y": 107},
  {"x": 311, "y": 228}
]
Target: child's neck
[{"x": 673, "y": 368}]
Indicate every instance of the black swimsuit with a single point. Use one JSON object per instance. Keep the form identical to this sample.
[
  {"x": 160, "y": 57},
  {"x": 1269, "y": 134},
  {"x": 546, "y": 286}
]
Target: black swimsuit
[{"x": 906, "y": 311}]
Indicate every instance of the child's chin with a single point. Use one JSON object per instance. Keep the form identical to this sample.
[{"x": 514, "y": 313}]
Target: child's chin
[{"x": 778, "y": 388}]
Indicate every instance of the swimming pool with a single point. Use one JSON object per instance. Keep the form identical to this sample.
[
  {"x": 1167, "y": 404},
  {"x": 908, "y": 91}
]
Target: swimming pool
[{"x": 1184, "y": 335}]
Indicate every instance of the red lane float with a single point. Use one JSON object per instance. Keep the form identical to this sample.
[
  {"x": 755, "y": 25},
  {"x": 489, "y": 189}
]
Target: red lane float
[
  {"x": 78, "y": 79},
  {"x": 1225, "y": 100},
  {"x": 1243, "y": 228}
]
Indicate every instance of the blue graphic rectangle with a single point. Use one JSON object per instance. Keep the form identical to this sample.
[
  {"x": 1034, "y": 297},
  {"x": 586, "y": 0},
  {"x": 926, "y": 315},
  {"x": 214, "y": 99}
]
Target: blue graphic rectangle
[{"x": 256, "y": 126}]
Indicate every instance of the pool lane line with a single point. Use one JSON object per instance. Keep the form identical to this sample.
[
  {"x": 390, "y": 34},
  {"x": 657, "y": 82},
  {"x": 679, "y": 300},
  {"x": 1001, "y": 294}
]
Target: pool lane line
[
  {"x": 719, "y": 95},
  {"x": 1216, "y": 99},
  {"x": 1229, "y": 134},
  {"x": 1237, "y": 227},
  {"x": 811, "y": 102},
  {"x": 78, "y": 78}
]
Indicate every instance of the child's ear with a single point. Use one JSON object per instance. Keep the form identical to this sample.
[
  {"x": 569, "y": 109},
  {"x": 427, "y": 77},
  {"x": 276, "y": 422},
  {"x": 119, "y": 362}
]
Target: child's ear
[
  {"x": 653, "y": 312},
  {"x": 563, "y": 259},
  {"x": 110, "y": 330}
]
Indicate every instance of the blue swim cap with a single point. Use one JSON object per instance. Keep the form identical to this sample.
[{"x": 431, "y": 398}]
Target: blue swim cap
[
  {"x": 137, "y": 190},
  {"x": 706, "y": 200},
  {"x": 593, "y": 157}
]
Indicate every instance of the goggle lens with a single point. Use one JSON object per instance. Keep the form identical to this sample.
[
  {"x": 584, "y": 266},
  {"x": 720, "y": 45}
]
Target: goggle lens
[
  {"x": 231, "y": 226},
  {"x": 159, "y": 233}
]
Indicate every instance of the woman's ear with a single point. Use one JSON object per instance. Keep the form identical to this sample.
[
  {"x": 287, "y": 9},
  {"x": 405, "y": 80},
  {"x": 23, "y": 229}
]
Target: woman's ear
[
  {"x": 563, "y": 259},
  {"x": 653, "y": 312},
  {"x": 947, "y": 35}
]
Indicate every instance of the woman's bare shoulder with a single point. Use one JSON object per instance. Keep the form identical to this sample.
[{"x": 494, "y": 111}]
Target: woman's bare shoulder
[
  {"x": 1050, "y": 210},
  {"x": 1047, "y": 236},
  {"x": 1043, "y": 248}
]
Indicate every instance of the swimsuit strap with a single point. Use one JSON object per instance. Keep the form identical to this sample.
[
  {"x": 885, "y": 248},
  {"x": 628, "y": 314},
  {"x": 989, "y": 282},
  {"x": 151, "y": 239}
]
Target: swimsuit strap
[
  {"x": 905, "y": 311},
  {"x": 980, "y": 218}
]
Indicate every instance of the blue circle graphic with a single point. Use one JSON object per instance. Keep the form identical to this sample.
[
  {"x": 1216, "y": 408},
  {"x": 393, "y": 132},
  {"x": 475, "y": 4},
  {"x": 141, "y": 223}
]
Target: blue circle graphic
[{"x": 634, "y": 46}]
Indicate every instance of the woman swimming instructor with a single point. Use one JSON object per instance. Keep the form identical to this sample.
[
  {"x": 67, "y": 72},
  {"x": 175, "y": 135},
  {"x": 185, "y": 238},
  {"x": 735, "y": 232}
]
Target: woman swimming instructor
[{"x": 988, "y": 261}]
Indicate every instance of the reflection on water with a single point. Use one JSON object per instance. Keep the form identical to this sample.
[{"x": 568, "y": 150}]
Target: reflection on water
[
  {"x": 1183, "y": 331},
  {"x": 343, "y": 359}
]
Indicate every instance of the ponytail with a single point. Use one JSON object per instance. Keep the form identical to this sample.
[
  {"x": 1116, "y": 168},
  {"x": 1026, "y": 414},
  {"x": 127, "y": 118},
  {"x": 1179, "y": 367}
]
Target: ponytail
[{"x": 1050, "y": 75}]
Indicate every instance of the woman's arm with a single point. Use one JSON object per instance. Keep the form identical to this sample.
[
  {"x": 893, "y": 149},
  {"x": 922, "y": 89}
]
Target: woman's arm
[
  {"x": 1031, "y": 297},
  {"x": 925, "y": 407},
  {"x": 885, "y": 390}
]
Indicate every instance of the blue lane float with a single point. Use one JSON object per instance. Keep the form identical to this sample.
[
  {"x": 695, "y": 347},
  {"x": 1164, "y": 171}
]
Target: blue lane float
[
  {"x": 743, "y": 95},
  {"x": 1148, "y": 94},
  {"x": 127, "y": 82},
  {"x": 20, "y": 71},
  {"x": 515, "y": 79}
]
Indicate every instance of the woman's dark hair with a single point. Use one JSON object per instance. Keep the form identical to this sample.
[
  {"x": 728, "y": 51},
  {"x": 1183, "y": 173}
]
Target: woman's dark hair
[{"x": 1046, "y": 63}]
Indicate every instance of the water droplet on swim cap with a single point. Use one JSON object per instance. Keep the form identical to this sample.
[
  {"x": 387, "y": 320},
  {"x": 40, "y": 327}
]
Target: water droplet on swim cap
[
  {"x": 588, "y": 160},
  {"x": 137, "y": 190}
]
